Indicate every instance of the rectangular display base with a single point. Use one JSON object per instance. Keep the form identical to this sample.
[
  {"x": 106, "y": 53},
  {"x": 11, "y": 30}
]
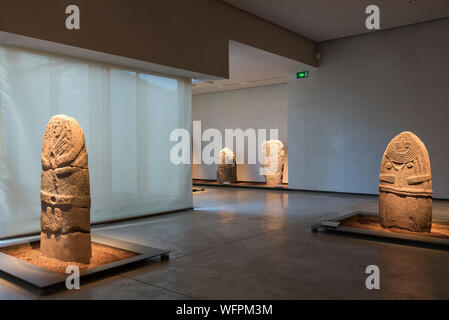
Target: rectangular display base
[
  {"x": 239, "y": 184},
  {"x": 342, "y": 225},
  {"x": 44, "y": 281}
]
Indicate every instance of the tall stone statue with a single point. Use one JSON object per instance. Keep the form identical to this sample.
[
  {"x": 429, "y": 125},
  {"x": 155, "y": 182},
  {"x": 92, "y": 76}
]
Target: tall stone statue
[
  {"x": 65, "y": 192},
  {"x": 405, "y": 190},
  {"x": 226, "y": 167},
  {"x": 273, "y": 162}
]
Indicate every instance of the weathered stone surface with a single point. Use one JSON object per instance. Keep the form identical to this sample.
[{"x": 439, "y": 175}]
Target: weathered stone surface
[
  {"x": 285, "y": 173},
  {"x": 273, "y": 162},
  {"x": 65, "y": 192},
  {"x": 63, "y": 141},
  {"x": 64, "y": 219},
  {"x": 72, "y": 247},
  {"x": 405, "y": 189},
  {"x": 226, "y": 167}
]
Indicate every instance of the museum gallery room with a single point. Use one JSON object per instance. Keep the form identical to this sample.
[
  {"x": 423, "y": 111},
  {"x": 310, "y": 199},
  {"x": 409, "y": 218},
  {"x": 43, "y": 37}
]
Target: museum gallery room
[{"x": 224, "y": 150}]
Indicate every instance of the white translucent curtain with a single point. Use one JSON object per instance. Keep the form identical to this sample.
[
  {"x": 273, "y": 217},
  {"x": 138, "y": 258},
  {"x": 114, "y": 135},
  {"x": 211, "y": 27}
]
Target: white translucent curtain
[{"x": 127, "y": 118}]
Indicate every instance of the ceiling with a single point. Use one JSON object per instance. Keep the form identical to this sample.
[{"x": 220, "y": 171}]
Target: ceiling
[
  {"x": 321, "y": 20},
  {"x": 250, "y": 67}
]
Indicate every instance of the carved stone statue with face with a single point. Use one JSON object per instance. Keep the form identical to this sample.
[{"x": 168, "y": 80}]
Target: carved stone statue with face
[
  {"x": 65, "y": 192},
  {"x": 405, "y": 190},
  {"x": 273, "y": 162},
  {"x": 226, "y": 167}
]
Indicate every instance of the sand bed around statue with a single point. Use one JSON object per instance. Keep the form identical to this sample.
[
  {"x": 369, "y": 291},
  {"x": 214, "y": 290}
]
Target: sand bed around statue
[
  {"x": 373, "y": 223},
  {"x": 101, "y": 255}
]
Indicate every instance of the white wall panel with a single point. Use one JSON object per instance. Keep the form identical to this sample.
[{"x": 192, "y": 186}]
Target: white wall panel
[{"x": 127, "y": 118}]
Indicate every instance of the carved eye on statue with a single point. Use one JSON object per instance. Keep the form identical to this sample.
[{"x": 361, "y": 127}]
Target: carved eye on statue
[
  {"x": 409, "y": 165},
  {"x": 388, "y": 166}
]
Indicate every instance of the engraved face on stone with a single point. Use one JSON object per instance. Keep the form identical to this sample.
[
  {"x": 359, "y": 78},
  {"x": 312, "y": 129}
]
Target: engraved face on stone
[
  {"x": 405, "y": 189},
  {"x": 406, "y": 166},
  {"x": 64, "y": 140}
]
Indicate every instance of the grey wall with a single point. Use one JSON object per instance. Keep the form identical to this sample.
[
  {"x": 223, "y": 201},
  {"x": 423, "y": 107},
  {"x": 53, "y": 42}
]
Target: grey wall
[
  {"x": 258, "y": 108},
  {"x": 367, "y": 89}
]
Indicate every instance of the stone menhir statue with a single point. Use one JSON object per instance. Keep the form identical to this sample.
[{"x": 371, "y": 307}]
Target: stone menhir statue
[
  {"x": 273, "y": 162},
  {"x": 65, "y": 192},
  {"x": 226, "y": 167},
  {"x": 405, "y": 190}
]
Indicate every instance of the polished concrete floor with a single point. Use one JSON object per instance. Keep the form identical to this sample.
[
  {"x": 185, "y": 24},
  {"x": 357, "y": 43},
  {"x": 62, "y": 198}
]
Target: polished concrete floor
[{"x": 257, "y": 244}]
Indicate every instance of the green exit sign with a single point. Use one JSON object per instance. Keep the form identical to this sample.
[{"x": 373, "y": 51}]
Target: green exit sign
[{"x": 302, "y": 74}]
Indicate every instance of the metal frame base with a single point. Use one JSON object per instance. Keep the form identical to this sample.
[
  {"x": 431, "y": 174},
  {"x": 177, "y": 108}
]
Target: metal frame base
[
  {"x": 43, "y": 281},
  {"x": 334, "y": 226}
]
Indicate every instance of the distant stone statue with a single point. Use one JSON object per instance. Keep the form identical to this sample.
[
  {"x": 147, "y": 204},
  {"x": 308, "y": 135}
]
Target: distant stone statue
[
  {"x": 405, "y": 190},
  {"x": 226, "y": 167},
  {"x": 65, "y": 192},
  {"x": 273, "y": 162}
]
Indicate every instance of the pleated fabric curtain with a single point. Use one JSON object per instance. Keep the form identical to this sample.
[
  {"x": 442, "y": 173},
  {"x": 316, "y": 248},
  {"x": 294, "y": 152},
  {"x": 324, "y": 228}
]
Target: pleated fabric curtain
[{"x": 127, "y": 117}]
